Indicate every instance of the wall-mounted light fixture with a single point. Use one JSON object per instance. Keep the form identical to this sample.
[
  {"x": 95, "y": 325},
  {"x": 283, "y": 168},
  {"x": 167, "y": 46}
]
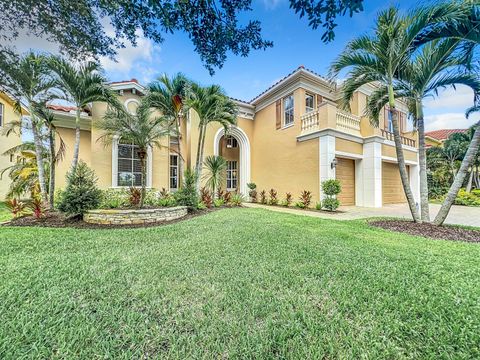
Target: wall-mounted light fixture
[{"x": 333, "y": 164}]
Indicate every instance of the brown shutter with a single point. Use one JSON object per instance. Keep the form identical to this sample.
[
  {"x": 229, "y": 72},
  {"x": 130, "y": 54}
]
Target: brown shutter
[
  {"x": 279, "y": 114},
  {"x": 319, "y": 100}
]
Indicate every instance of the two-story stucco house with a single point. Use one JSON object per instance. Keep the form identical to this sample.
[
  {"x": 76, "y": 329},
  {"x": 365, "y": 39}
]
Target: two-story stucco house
[
  {"x": 7, "y": 115},
  {"x": 291, "y": 137}
]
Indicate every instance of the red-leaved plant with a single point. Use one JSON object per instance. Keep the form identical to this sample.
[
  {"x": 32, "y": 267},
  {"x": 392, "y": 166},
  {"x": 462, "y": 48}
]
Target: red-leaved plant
[
  {"x": 273, "y": 197},
  {"x": 135, "y": 195},
  {"x": 37, "y": 207},
  {"x": 16, "y": 207},
  {"x": 206, "y": 197},
  {"x": 263, "y": 197},
  {"x": 305, "y": 199},
  {"x": 288, "y": 199}
]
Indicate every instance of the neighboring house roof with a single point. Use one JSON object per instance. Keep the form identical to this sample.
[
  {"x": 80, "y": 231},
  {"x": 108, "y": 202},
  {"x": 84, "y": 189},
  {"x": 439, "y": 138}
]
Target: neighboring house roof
[
  {"x": 443, "y": 134},
  {"x": 65, "y": 108}
]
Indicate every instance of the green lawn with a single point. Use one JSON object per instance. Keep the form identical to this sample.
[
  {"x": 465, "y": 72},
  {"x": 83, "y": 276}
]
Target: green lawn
[
  {"x": 237, "y": 283},
  {"x": 5, "y": 214}
]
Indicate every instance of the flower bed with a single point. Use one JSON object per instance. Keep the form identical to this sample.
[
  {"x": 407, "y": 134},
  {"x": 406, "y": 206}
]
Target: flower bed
[{"x": 136, "y": 216}]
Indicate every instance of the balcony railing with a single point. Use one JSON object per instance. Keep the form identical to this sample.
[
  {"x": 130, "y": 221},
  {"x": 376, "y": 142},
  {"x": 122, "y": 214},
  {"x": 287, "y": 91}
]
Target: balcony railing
[
  {"x": 405, "y": 141},
  {"x": 345, "y": 122},
  {"x": 310, "y": 121},
  {"x": 348, "y": 123}
]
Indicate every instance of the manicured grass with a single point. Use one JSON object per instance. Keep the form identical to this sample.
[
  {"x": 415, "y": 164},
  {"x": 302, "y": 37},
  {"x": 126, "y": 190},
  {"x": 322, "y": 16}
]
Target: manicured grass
[
  {"x": 5, "y": 214},
  {"x": 237, "y": 283}
]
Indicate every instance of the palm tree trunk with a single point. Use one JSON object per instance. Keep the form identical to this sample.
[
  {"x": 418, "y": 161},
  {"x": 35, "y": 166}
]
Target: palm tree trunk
[
  {"x": 459, "y": 178},
  {"x": 76, "y": 148},
  {"x": 142, "y": 154},
  {"x": 198, "y": 163},
  {"x": 401, "y": 159},
  {"x": 180, "y": 160},
  {"x": 51, "y": 190},
  {"x": 38, "y": 154},
  {"x": 422, "y": 159},
  {"x": 470, "y": 182}
]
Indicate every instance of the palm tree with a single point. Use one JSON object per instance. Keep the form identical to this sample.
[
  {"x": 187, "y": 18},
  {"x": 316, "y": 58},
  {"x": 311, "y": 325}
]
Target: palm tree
[
  {"x": 168, "y": 95},
  {"x": 81, "y": 85},
  {"x": 462, "y": 172},
  {"x": 216, "y": 166},
  {"x": 29, "y": 81},
  {"x": 55, "y": 156},
  {"x": 142, "y": 129},
  {"x": 212, "y": 105},
  {"x": 381, "y": 57},
  {"x": 438, "y": 64},
  {"x": 24, "y": 172}
]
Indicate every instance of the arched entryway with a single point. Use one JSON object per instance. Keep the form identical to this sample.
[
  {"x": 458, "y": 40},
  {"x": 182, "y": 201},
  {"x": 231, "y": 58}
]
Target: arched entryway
[{"x": 225, "y": 147}]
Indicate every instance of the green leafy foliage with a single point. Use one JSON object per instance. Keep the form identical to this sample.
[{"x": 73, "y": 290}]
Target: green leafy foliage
[
  {"x": 288, "y": 199},
  {"x": 468, "y": 199},
  {"x": 330, "y": 203},
  {"x": 114, "y": 199},
  {"x": 318, "y": 205},
  {"x": 16, "y": 207},
  {"x": 236, "y": 199},
  {"x": 81, "y": 193},
  {"x": 252, "y": 192},
  {"x": 305, "y": 199},
  {"x": 218, "y": 202},
  {"x": 187, "y": 194},
  {"x": 331, "y": 187}
]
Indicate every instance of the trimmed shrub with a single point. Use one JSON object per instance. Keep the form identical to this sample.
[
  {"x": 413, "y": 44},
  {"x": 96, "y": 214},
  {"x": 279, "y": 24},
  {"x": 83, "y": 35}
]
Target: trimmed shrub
[
  {"x": 330, "y": 203},
  {"x": 252, "y": 192},
  {"x": 331, "y": 188},
  {"x": 467, "y": 199},
  {"x": 81, "y": 193},
  {"x": 187, "y": 195}
]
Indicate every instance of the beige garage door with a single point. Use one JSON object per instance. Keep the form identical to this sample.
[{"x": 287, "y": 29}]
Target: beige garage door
[
  {"x": 345, "y": 172},
  {"x": 392, "y": 189}
]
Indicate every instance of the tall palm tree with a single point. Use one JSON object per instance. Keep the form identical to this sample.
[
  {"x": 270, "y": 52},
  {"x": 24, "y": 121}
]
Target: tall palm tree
[
  {"x": 55, "y": 155},
  {"x": 29, "y": 81},
  {"x": 212, "y": 105},
  {"x": 142, "y": 129},
  {"x": 168, "y": 95},
  {"x": 216, "y": 166},
  {"x": 81, "y": 85},
  {"x": 438, "y": 64},
  {"x": 462, "y": 172},
  {"x": 379, "y": 58}
]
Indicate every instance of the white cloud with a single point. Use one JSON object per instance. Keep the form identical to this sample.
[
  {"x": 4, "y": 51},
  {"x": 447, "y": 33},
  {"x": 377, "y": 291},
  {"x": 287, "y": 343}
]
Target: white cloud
[
  {"x": 271, "y": 4},
  {"x": 450, "y": 121},
  {"x": 130, "y": 56},
  {"x": 460, "y": 98}
]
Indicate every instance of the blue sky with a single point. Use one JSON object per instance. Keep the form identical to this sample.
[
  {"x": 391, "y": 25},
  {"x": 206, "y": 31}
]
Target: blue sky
[{"x": 294, "y": 44}]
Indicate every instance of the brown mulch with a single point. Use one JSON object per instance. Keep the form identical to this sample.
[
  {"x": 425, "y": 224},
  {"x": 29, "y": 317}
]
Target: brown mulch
[
  {"x": 58, "y": 220},
  {"x": 429, "y": 230}
]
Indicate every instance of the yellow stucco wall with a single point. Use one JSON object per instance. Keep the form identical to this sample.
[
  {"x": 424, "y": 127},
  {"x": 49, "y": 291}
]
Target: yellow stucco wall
[
  {"x": 63, "y": 166},
  {"x": 6, "y": 143},
  {"x": 390, "y": 151},
  {"x": 278, "y": 160},
  {"x": 348, "y": 146}
]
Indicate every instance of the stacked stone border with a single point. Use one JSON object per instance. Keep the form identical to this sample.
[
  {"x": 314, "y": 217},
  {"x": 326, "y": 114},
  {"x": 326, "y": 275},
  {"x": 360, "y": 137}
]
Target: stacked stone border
[{"x": 137, "y": 216}]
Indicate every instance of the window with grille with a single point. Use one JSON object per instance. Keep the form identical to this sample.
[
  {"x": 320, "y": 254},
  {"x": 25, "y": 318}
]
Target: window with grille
[
  {"x": 1, "y": 114},
  {"x": 309, "y": 103},
  {"x": 129, "y": 166},
  {"x": 288, "y": 110},
  {"x": 232, "y": 175},
  {"x": 173, "y": 172},
  {"x": 231, "y": 142}
]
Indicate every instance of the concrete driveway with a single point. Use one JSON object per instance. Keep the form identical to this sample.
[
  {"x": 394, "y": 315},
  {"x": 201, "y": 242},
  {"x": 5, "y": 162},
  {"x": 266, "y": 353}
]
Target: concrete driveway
[{"x": 459, "y": 215}]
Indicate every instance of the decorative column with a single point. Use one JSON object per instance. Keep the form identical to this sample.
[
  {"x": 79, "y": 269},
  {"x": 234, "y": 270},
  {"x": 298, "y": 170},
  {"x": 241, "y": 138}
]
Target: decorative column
[
  {"x": 327, "y": 154},
  {"x": 372, "y": 172}
]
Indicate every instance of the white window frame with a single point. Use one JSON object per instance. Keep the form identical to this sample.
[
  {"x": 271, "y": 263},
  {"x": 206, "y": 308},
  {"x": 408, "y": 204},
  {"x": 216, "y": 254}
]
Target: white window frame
[
  {"x": 308, "y": 108},
  {"x": 2, "y": 113},
  {"x": 115, "y": 143},
  {"x": 231, "y": 142},
  {"x": 288, "y": 113},
  {"x": 170, "y": 177},
  {"x": 231, "y": 171}
]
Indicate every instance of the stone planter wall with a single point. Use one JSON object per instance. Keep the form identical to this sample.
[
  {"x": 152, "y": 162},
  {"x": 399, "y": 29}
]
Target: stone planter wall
[{"x": 137, "y": 216}]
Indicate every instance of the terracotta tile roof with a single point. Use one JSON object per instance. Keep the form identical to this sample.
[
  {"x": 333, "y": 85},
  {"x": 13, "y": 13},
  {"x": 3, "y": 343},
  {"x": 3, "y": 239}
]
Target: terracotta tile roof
[
  {"x": 125, "y": 81},
  {"x": 443, "y": 134},
  {"x": 65, "y": 108}
]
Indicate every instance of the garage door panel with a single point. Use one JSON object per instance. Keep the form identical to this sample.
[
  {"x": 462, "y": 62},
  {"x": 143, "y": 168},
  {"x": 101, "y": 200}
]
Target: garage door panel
[
  {"x": 392, "y": 188},
  {"x": 345, "y": 173}
]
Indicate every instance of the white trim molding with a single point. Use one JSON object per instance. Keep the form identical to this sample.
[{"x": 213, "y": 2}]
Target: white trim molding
[
  {"x": 115, "y": 142},
  {"x": 128, "y": 101},
  {"x": 245, "y": 154},
  {"x": 326, "y": 156}
]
